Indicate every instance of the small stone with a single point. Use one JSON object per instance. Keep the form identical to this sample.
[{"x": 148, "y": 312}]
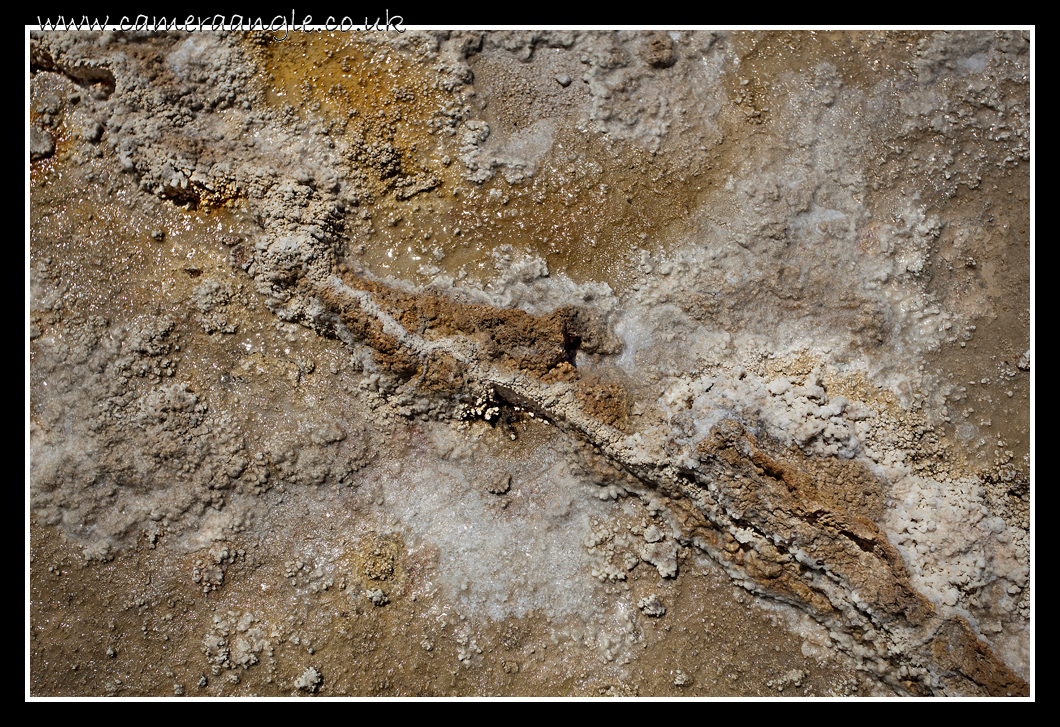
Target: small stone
[
  {"x": 309, "y": 681},
  {"x": 659, "y": 52},
  {"x": 651, "y": 606},
  {"x": 90, "y": 130},
  {"x": 563, "y": 79},
  {"x": 41, "y": 144},
  {"x": 502, "y": 485}
]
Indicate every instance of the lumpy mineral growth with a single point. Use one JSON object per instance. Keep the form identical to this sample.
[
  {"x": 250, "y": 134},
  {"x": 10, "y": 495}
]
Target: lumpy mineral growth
[{"x": 632, "y": 363}]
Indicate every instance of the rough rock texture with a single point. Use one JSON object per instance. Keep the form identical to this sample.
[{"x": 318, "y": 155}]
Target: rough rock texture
[
  {"x": 448, "y": 349},
  {"x": 775, "y": 525}
]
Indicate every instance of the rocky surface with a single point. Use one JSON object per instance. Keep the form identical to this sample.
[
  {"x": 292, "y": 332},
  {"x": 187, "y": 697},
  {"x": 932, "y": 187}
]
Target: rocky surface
[{"x": 460, "y": 354}]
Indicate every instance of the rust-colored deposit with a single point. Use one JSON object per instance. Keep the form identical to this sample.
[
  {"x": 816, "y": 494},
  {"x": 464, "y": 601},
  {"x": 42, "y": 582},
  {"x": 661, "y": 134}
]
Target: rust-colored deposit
[
  {"x": 799, "y": 501},
  {"x": 543, "y": 347}
]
